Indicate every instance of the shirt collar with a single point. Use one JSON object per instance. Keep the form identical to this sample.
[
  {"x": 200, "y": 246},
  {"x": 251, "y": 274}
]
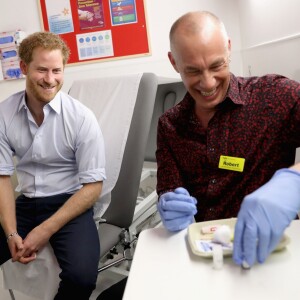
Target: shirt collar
[
  {"x": 55, "y": 103},
  {"x": 22, "y": 103},
  {"x": 233, "y": 91}
]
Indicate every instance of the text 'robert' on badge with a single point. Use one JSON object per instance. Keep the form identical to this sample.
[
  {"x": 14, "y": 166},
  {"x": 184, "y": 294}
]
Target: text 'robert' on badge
[{"x": 232, "y": 163}]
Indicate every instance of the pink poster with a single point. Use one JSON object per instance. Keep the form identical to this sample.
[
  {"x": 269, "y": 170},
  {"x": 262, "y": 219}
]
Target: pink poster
[{"x": 90, "y": 14}]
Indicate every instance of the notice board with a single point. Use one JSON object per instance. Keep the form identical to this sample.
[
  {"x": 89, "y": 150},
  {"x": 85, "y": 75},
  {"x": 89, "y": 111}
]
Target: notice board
[{"x": 97, "y": 30}]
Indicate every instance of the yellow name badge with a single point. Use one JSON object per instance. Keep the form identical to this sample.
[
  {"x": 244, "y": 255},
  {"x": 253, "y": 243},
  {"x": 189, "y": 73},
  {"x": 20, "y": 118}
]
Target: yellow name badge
[{"x": 232, "y": 163}]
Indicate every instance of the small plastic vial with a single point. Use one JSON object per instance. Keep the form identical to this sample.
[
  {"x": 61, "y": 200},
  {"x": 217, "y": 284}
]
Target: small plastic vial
[{"x": 217, "y": 256}]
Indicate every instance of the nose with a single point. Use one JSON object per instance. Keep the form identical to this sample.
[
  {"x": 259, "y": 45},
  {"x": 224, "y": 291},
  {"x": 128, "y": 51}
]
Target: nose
[
  {"x": 207, "y": 81},
  {"x": 49, "y": 77}
]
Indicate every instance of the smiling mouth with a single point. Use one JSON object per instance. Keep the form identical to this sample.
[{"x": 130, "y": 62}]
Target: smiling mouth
[
  {"x": 207, "y": 94},
  {"x": 49, "y": 88}
]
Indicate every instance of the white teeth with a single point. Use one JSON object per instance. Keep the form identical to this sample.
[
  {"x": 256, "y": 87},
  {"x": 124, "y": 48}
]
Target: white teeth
[{"x": 206, "y": 94}]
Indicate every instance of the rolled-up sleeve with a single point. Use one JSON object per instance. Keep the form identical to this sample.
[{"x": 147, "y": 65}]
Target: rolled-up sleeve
[
  {"x": 90, "y": 151},
  {"x": 6, "y": 153}
]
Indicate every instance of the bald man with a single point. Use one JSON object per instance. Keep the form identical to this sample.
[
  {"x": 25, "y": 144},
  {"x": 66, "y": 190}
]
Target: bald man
[{"x": 229, "y": 134}]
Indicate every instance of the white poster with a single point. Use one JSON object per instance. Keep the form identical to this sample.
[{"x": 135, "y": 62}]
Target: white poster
[
  {"x": 94, "y": 45},
  {"x": 59, "y": 16}
]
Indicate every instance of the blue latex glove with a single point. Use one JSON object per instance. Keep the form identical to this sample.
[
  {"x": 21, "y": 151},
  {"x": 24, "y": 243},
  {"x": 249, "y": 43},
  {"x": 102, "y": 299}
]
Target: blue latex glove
[
  {"x": 14, "y": 73},
  {"x": 177, "y": 209},
  {"x": 6, "y": 39},
  {"x": 8, "y": 54},
  {"x": 264, "y": 215}
]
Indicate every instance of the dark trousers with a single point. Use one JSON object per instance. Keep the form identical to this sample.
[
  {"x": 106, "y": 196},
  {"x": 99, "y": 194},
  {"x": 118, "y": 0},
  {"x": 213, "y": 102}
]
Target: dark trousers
[{"x": 76, "y": 245}]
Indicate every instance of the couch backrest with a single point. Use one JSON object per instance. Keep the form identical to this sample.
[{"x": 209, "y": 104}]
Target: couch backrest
[{"x": 168, "y": 95}]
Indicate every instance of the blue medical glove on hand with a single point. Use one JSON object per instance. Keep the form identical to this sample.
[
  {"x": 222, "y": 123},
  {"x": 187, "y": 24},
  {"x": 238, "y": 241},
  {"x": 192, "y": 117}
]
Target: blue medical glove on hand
[
  {"x": 264, "y": 215},
  {"x": 177, "y": 209}
]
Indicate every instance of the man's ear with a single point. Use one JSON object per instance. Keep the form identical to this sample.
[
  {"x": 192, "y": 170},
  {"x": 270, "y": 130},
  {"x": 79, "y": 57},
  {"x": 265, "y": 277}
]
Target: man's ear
[
  {"x": 172, "y": 61},
  {"x": 229, "y": 47},
  {"x": 23, "y": 67}
]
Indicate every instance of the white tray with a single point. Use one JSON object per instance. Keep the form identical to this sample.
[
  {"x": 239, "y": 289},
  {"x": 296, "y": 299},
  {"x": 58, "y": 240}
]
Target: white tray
[{"x": 195, "y": 236}]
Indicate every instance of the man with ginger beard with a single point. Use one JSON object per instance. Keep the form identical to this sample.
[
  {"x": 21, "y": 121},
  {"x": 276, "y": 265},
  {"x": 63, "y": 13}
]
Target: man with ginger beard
[{"x": 59, "y": 152}]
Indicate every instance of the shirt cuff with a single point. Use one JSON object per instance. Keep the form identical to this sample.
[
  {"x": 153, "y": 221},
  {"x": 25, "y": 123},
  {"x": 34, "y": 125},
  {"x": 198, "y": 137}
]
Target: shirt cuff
[{"x": 92, "y": 176}]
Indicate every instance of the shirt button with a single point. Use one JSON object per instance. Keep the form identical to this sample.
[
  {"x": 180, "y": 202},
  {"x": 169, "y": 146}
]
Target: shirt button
[{"x": 213, "y": 181}]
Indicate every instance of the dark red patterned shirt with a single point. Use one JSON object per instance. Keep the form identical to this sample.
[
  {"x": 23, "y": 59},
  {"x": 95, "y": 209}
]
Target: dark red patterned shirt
[{"x": 259, "y": 120}]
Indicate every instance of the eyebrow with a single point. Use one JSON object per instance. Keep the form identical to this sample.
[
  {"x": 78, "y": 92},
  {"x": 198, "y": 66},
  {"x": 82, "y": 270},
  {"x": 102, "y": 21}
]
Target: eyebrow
[
  {"x": 219, "y": 61},
  {"x": 45, "y": 68}
]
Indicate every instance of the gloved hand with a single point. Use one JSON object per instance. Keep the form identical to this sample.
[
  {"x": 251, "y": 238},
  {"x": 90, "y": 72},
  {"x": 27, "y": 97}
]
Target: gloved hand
[
  {"x": 177, "y": 209},
  {"x": 264, "y": 215}
]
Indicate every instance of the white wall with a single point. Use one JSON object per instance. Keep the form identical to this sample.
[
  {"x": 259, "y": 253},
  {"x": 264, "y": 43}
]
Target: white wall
[
  {"x": 270, "y": 37},
  {"x": 160, "y": 15}
]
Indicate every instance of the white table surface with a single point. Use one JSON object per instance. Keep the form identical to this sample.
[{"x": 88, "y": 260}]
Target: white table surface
[{"x": 164, "y": 267}]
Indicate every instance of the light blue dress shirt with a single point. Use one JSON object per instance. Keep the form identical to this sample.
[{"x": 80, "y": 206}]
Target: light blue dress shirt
[{"x": 66, "y": 151}]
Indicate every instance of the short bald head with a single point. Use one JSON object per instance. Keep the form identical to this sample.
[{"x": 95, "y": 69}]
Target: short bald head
[{"x": 199, "y": 24}]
